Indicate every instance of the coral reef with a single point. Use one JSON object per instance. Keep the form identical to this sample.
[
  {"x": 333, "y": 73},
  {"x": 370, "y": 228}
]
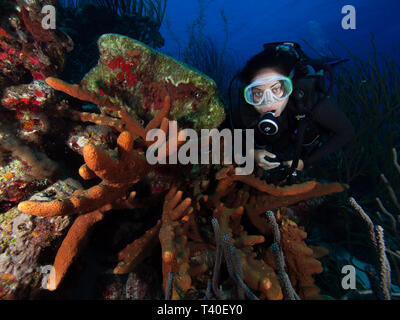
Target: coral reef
[
  {"x": 301, "y": 260},
  {"x": 27, "y": 50},
  {"x": 137, "y": 89},
  {"x": 378, "y": 241},
  {"x": 99, "y": 136},
  {"x": 28, "y": 101},
  {"x": 380, "y": 271},
  {"x": 23, "y": 170},
  {"x": 28, "y": 54},
  {"x": 117, "y": 177},
  {"x": 27, "y": 243},
  {"x": 112, "y": 288},
  {"x": 111, "y": 193}
]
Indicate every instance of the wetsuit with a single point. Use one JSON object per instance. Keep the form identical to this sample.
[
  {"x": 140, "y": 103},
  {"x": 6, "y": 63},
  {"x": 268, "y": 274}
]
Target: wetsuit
[{"x": 325, "y": 121}]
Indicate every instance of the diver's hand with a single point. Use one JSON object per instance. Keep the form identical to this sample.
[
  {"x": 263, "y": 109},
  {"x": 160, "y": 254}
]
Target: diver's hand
[
  {"x": 259, "y": 157},
  {"x": 300, "y": 165}
]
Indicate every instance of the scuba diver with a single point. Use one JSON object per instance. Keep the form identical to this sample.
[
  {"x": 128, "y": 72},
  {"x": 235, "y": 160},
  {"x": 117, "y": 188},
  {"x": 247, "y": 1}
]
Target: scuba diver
[{"x": 285, "y": 101}]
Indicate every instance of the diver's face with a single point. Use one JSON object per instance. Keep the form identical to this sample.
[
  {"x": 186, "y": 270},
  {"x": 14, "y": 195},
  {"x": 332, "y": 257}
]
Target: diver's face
[{"x": 276, "y": 88}]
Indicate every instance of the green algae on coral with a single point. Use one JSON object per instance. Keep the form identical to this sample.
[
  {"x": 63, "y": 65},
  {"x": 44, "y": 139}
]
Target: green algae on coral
[{"x": 137, "y": 77}]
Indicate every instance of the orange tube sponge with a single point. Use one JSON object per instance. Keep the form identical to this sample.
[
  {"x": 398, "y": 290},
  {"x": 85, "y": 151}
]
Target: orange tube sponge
[
  {"x": 134, "y": 253},
  {"x": 295, "y": 189},
  {"x": 259, "y": 276},
  {"x": 173, "y": 239},
  {"x": 71, "y": 246},
  {"x": 256, "y": 274},
  {"x": 118, "y": 176},
  {"x": 259, "y": 203},
  {"x": 76, "y": 91},
  {"x": 300, "y": 260}
]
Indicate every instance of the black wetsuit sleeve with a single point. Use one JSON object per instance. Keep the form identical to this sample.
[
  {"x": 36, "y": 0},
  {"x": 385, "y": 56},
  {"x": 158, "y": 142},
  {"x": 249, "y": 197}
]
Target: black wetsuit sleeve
[{"x": 330, "y": 118}]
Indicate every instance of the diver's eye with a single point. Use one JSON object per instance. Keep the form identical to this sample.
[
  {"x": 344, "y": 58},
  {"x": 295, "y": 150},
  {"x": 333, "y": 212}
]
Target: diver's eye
[
  {"x": 257, "y": 94},
  {"x": 277, "y": 90}
]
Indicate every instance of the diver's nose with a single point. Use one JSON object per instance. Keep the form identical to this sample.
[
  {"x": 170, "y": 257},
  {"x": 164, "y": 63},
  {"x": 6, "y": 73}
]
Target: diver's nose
[{"x": 268, "y": 97}]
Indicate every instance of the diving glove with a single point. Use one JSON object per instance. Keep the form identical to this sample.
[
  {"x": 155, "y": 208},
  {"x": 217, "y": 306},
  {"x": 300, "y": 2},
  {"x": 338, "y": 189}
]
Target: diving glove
[{"x": 260, "y": 158}]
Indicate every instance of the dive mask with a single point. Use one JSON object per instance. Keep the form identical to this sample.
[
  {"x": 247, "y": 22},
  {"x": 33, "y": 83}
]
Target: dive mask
[{"x": 265, "y": 91}]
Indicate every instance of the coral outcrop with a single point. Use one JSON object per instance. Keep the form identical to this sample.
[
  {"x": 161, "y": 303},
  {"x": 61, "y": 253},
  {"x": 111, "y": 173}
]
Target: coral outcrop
[
  {"x": 137, "y": 89},
  {"x": 28, "y": 54},
  {"x": 138, "y": 78},
  {"x": 117, "y": 176},
  {"x": 27, "y": 50}
]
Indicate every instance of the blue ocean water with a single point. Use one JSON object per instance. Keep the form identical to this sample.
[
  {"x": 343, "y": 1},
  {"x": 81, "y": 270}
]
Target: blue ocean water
[
  {"x": 244, "y": 26},
  {"x": 253, "y": 22}
]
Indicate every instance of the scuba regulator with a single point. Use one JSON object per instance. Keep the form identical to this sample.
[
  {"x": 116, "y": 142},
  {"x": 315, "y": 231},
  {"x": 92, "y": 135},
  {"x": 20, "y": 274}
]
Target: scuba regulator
[{"x": 268, "y": 124}]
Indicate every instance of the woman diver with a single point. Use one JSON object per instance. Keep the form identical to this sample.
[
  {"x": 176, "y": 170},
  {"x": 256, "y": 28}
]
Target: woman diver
[{"x": 285, "y": 103}]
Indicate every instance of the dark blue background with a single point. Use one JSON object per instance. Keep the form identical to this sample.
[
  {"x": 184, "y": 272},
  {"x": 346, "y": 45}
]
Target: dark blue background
[{"x": 253, "y": 22}]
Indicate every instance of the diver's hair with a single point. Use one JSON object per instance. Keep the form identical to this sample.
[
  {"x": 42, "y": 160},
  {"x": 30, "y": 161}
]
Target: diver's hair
[{"x": 281, "y": 61}]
